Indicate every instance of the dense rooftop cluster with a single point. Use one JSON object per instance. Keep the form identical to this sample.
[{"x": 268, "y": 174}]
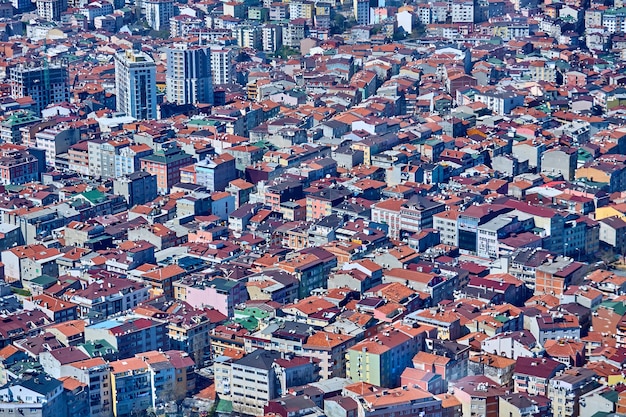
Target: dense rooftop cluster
[{"x": 313, "y": 208}]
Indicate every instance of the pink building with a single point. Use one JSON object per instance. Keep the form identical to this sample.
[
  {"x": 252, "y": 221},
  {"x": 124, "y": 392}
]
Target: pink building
[
  {"x": 219, "y": 293},
  {"x": 575, "y": 79}
]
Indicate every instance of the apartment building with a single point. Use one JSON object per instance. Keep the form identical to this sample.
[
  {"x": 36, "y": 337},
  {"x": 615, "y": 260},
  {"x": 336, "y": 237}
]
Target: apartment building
[
  {"x": 159, "y": 13},
  {"x": 380, "y": 359},
  {"x": 406, "y": 216},
  {"x": 446, "y": 222},
  {"x": 131, "y": 387},
  {"x": 35, "y": 394},
  {"x": 99, "y": 300},
  {"x": 189, "y": 79},
  {"x": 309, "y": 270},
  {"x": 43, "y": 85},
  {"x": 566, "y": 389},
  {"x": 130, "y": 334},
  {"x": 263, "y": 375},
  {"x": 533, "y": 375},
  {"x": 222, "y": 65},
  {"x": 95, "y": 373},
  {"x": 135, "y": 82},
  {"x": 479, "y": 396},
  {"x": 462, "y": 11},
  {"x": 215, "y": 173},
  {"x": 18, "y": 165},
  {"x": 330, "y": 349},
  {"x": 165, "y": 164}
]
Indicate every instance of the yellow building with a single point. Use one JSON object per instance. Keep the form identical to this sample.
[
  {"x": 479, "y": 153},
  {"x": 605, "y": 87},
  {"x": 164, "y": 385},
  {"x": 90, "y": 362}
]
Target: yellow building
[
  {"x": 322, "y": 9},
  {"x": 593, "y": 174},
  {"x": 366, "y": 149},
  {"x": 606, "y": 212},
  {"x": 617, "y": 379},
  {"x": 301, "y": 9}
]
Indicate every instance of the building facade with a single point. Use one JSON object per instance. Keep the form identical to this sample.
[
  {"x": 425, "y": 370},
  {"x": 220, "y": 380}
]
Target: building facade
[
  {"x": 45, "y": 85},
  {"x": 165, "y": 165},
  {"x": 159, "y": 13},
  {"x": 222, "y": 65},
  {"x": 135, "y": 84},
  {"x": 137, "y": 188},
  {"x": 189, "y": 79}
]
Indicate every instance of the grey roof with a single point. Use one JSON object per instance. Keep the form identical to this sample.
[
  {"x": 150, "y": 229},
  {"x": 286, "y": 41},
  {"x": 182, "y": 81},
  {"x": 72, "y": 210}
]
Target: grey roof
[
  {"x": 138, "y": 175},
  {"x": 325, "y": 162},
  {"x": 531, "y": 257},
  {"x": 496, "y": 224},
  {"x": 575, "y": 376},
  {"x": 331, "y": 221},
  {"x": 519, "y": 401},
  {"x": 245, "y": 209},
  {"x": 260, "y": 359},
  {"x": 41, "y": 383},
  {"x": 426, "y": 203},
  {"x": 522, "y": 336},
  {"x": 7, "y": 228},
  {"x": 334, "y": 124},
  {"x": 331, "y": 385},
  {"x": 293, "y": 328},
  {"x": 614, "y": 222},
  {"x": 331, "y": 194}
]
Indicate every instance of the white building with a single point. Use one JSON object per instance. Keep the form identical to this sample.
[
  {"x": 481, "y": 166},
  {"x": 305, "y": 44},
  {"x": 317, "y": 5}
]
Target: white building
[
  {"x": 135, "y": 84},
  {"x": 499, "y": 102},
  {"x": 511, "y": 345},
  {"x": 248, "y": 37},
  {"x": 183, "y": 25},
  {"x": 222, "y": 65},
  {"x": 37, "y": 394},
  {"x": 55, "y": 141},
  {"x": 51, "y": 9},
  {"x": 272, "y": 37},
  {"x": 105, "y": 23},
  {"x": 614, "y": 21},
  {"x": 294, "y": 33},
  {"x": 189, "y": 79},
  {"x": 96, "y": 9},
  {"x": 425, "y": 14},
  {"x": 405, "y": 20},
  {"x": 159, "y": 13},
  {"x": 259, "y": 377},
  {"x": 446, "y": 223},
  {"x": 463, "y": 11},
  {"x": 249, "y": 382}
]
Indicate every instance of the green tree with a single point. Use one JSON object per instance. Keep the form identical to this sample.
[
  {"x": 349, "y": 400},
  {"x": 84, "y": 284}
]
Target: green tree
[
  {"x": 339, "y": 22},
  {"x": 160, "y": 34},
  {"x": 399, "y": 34},
  {"x": 213, "y": 410},
  {"x": 351, "y": 22},
  {"x": 285, "y": 52}
]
